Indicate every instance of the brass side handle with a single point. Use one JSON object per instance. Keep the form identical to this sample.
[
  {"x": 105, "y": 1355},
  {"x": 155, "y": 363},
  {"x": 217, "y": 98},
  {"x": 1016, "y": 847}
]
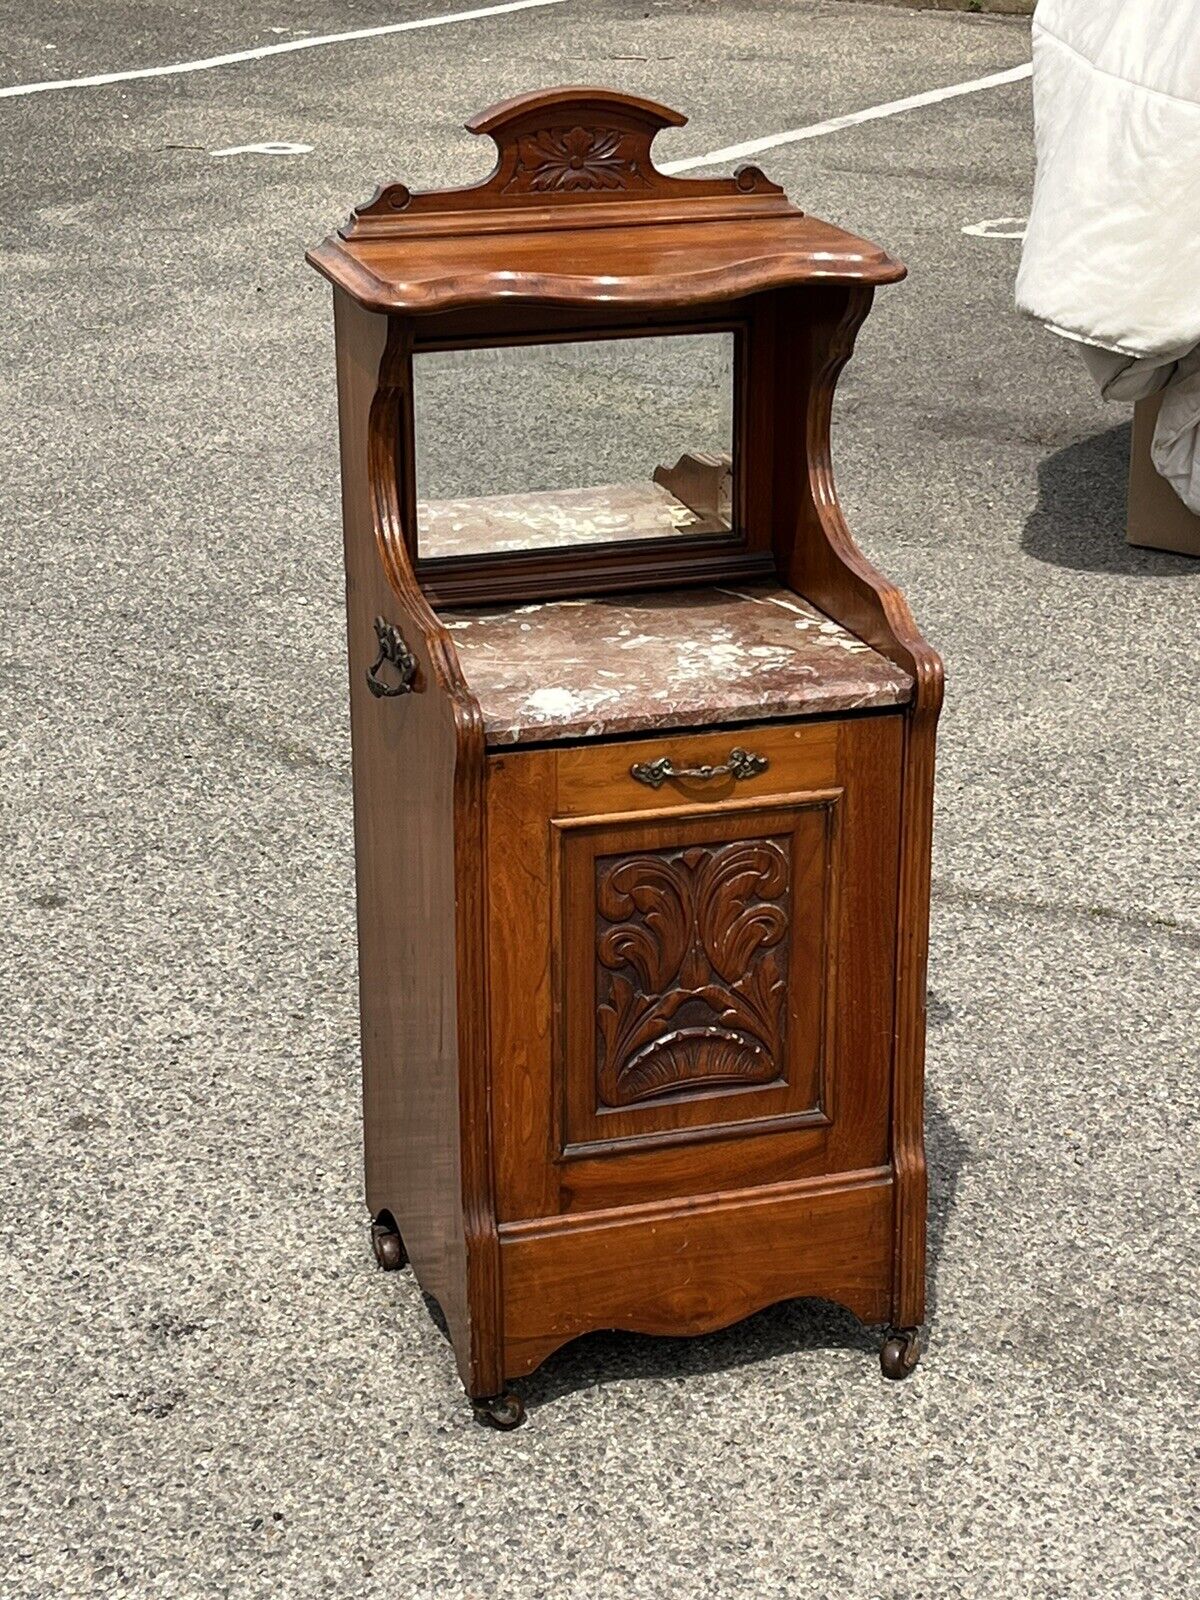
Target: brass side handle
[
  {"x": 393, "y": 649},
  {"x": 741, "y": 764}
]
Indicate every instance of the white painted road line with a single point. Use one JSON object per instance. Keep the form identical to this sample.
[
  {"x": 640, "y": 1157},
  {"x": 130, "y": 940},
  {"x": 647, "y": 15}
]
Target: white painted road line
[
  {"x": 273, "y": 147},
  {"x": 273, "y": 49},
  {"x": 998, "y": 228},
  {"x": 931, "y": 97}
]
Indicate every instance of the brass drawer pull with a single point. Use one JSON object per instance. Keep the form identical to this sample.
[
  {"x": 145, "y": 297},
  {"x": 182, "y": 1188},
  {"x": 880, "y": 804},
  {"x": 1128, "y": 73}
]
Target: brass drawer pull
[
  {"x": 391, "y": 648},
  {"x": 741, "y": 764}
]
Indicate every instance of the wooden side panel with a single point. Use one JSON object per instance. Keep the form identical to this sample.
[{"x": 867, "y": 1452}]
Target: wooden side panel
[
  {"x": 818, "y": 557},
  {"x": 695, "y": 1266},
  {"x": 537, "y": 796},
  {"x": 404, "y": 754}
]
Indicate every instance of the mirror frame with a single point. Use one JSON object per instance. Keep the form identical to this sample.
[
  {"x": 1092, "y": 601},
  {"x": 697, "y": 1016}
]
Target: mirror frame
[
  {"x": 492, "y": 577},
  {"x": 431, "y": 564}
]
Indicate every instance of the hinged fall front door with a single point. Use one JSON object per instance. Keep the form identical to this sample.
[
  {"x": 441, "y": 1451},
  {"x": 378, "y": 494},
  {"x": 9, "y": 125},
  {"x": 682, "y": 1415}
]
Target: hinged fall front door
[{"x": 691, "y": 987}]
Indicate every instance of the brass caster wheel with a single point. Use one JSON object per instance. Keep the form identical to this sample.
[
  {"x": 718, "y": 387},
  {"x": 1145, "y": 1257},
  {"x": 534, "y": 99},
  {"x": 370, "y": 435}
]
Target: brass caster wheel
[
  {"x": 504, "y": 1411},
  {"x": 900, "y": 1353},
  {"x": 388, "y": 1246}
]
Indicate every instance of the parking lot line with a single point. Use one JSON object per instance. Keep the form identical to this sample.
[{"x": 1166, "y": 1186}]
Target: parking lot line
[
  {"x": 257, "y": 54},
  {"x": 753, "y": 147}
]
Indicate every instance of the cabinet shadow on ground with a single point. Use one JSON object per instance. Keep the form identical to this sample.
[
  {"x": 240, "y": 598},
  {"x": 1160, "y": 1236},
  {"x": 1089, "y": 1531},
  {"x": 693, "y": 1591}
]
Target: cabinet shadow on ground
[
  {"x": 788, "y": 1328},
  {"x": 1079, "y": 519}
]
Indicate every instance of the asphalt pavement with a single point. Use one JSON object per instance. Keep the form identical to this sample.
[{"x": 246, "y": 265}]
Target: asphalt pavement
[{"x": 206, "y": 1389}]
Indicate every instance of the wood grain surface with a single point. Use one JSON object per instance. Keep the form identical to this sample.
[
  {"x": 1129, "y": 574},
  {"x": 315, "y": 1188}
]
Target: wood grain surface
[
  {"x": 695, "y": 1266},
  {"x": 634, "y": 1055}
]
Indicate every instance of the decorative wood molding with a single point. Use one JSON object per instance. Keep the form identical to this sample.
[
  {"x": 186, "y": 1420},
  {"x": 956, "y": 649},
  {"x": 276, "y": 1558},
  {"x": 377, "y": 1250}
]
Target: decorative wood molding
[
  {"x": 823, "y": 561},
  {"x": 572, "y": 159},
  {"x": 567, "y": 146},
  {"x": 825, "y": 564},
  {"x": 692, "y": 957}
]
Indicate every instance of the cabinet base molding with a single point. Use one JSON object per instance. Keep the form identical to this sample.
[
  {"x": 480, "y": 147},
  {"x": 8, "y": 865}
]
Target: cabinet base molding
[{"x": 693, "y": 1266}]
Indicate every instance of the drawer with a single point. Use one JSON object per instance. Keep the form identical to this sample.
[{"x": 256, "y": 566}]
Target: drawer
[
  {"x": 598, "y": 778},
  {"x": 691, "y": 949}
]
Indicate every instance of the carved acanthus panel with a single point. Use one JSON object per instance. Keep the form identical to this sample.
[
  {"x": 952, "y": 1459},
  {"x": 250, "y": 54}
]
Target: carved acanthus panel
[{"x": 692, "y": 960}]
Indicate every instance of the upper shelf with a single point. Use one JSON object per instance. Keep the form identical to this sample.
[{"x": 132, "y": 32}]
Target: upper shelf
[{"x": 575, "y": 213}]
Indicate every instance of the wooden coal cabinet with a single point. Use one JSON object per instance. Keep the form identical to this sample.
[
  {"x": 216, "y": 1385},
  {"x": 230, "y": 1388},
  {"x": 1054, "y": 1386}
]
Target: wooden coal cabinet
[{"x": 643, "y": 763}]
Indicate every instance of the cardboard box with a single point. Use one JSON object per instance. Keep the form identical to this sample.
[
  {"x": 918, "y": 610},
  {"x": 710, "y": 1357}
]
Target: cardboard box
[{"x": 1158, "y": 518}]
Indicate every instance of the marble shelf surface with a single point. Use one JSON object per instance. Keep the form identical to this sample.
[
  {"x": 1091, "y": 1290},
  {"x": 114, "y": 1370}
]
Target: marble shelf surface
[
  {"x": 579, "y": 669},
  {"x": 607, "y": 514}
]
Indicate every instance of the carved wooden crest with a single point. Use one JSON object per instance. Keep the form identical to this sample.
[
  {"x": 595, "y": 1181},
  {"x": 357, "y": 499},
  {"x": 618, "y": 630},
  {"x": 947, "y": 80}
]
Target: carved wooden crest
[{"x": 557, "y": 146}]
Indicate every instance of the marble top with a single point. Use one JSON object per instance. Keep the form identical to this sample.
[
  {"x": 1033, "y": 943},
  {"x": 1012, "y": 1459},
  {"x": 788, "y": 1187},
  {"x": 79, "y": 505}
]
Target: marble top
[{"x": 580, "y": 669}]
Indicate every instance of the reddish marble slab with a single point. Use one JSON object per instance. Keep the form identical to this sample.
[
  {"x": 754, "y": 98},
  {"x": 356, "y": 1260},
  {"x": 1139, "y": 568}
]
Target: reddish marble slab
[
  {"x": 607, "y": 514},
  {"x": 580, "y": 669}
]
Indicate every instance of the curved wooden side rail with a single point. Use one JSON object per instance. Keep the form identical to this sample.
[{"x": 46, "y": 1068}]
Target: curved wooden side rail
[
  {"x": 822, "y": 561},
  {"x": 394, "y": 519}
]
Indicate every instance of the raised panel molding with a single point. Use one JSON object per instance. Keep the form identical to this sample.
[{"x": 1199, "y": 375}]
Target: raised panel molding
[
  {"x": 692, "y": 958},
  {"x": 696, "y": 967}
]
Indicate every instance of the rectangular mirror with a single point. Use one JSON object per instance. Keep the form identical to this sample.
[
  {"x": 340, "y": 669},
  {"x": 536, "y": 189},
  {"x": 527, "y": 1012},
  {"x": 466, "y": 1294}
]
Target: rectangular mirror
[{"x": 595, "y": 442}]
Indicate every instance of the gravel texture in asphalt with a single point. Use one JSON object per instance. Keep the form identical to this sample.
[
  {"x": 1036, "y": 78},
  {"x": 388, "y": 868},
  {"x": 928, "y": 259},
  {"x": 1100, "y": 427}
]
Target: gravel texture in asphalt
[{"x": 207, "y": 1388}]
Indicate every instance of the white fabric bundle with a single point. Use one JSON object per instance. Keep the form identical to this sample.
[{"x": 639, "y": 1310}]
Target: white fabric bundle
[{"x": 1112, "y": 252}]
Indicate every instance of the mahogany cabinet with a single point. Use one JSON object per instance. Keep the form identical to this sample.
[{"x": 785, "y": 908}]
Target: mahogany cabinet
[{"x": 643, "y": 755}]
